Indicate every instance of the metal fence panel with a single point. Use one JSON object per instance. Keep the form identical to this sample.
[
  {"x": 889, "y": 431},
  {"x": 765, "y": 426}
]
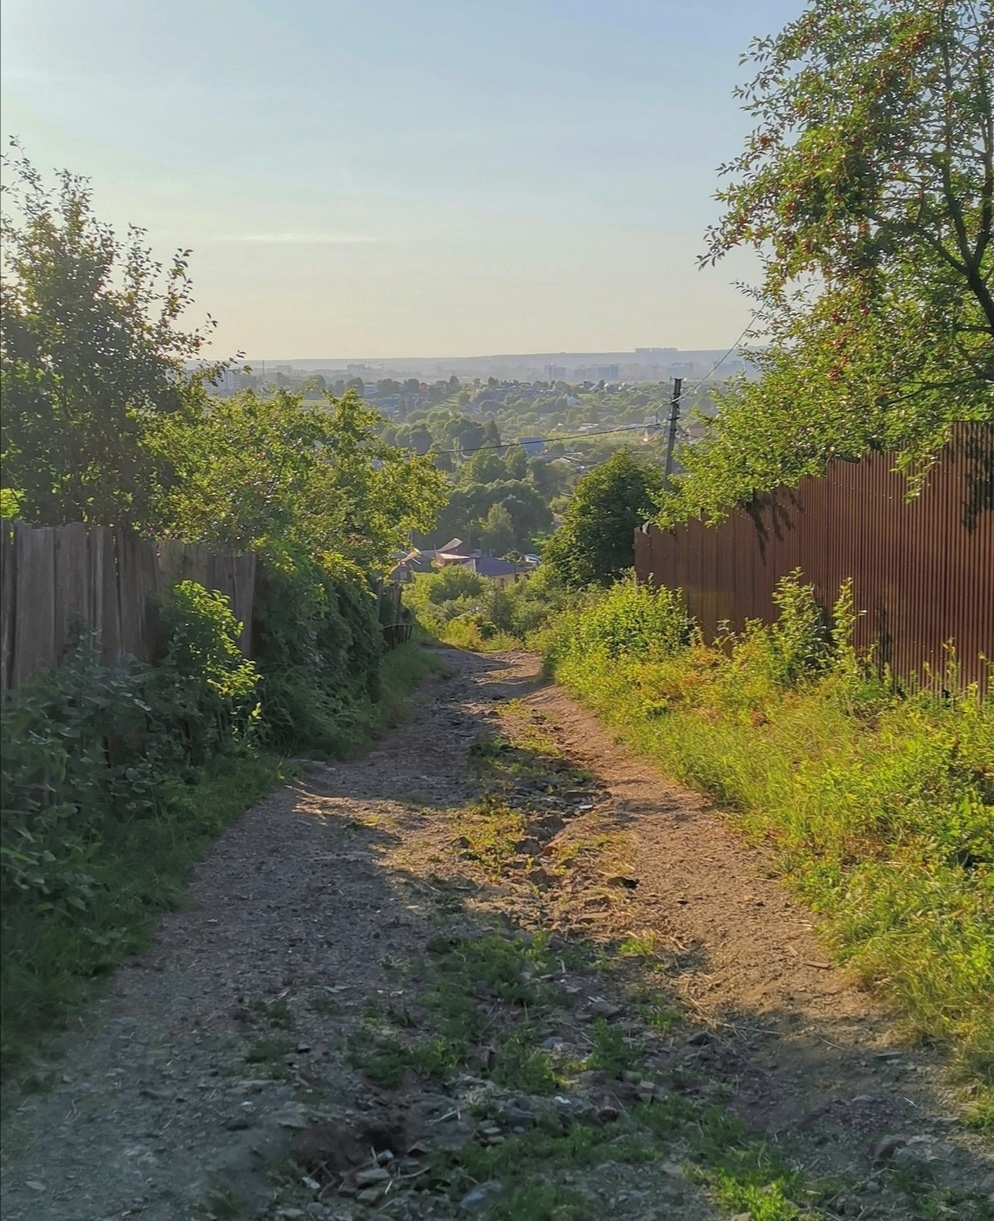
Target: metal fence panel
[{"x": 922, "y": 570}]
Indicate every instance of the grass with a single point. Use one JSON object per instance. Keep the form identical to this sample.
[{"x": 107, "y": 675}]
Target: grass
[
  {"x": 611, "y": 1052},
  {"x": 878, "y": 805},
  {"x": 269, "y": 1055},
  {"x": 137, "y": 868},
  {"x": 487, "y": 834},
  {"x": 52, "y": 961},
  {"x": 463, "y": 974},
  {"x": 488, "y": 1007},
  {"x": 402, "y": 670}
]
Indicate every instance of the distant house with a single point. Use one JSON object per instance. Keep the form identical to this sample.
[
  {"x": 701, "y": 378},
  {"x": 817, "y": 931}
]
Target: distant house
[
  {"x": 496, "y": 570},
  {"x": 456, "y": 551},
  {"x": 409, "y": 565}
]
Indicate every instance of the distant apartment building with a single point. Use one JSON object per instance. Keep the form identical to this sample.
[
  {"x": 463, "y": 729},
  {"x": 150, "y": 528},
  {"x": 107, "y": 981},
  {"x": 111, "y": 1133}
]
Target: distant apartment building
[{"x": 596, "y": 373}]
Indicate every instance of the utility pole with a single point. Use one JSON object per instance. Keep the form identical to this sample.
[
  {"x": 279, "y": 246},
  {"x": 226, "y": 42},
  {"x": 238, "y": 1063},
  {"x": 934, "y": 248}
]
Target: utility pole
[{"x": 674, "y": 416}]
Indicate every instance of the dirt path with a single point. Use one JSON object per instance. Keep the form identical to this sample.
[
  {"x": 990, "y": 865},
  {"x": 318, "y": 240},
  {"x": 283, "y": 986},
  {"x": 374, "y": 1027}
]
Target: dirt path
[{"x": 497, "y": 967}]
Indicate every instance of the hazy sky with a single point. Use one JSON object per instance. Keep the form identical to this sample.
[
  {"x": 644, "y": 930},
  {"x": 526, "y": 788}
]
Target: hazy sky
[{"x": 418, "y": 177}]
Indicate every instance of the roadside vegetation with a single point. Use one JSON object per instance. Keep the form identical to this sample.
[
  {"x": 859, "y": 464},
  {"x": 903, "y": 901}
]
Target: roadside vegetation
[
  {"x": 876, "y": 801},
  {"x": 115, "y": 778},
  {"x": 875, "y": 798}
]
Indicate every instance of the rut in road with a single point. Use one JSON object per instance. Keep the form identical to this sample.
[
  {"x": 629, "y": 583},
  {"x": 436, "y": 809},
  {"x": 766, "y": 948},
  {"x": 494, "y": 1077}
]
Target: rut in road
[{"x": 497, "y": 967}]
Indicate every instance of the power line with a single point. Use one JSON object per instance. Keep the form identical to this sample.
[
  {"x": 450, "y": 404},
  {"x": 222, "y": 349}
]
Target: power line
[
  {"x": 577, "y": 436},
  {"x": 717, "y": 365}
]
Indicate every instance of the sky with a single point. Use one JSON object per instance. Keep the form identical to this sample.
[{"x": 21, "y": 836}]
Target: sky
[{"x": 373, "y": 178}]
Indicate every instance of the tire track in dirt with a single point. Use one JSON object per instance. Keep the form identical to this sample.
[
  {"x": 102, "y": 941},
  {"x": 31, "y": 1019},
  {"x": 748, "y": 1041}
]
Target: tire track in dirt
[{"x": 232, "y": 1033}]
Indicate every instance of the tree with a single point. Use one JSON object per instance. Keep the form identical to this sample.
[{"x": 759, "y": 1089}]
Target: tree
[
  {"x": 272, "y": 473},
  {"x": 516, "y": 462},
  {"x": 485, "y": 466},
  {"x": 316, "y": 387},
  {"x": 596, "y": 542},
  {"x": 496, "y": 531},
  {"x": 868, "y": 188},
  {"x": 90, "y": 354}
]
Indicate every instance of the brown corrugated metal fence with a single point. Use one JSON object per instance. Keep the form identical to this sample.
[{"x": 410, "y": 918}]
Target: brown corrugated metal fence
[{"x": 922, "y": 569}]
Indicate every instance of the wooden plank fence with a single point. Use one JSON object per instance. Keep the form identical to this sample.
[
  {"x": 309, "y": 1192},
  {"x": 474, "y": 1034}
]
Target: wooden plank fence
[{"x": 55, "y": 577}]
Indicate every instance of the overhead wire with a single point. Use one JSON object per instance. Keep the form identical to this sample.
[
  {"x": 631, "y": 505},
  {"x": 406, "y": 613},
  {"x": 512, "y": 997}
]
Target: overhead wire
[
  {"x": 577, "y": 436},
  {"x": 604, "y": 432},
  {"x": 718, "y": 363}
]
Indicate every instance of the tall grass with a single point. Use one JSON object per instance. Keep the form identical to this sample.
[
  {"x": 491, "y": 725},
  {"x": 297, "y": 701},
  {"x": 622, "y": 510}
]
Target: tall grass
[{"x": 878, "y": 805}]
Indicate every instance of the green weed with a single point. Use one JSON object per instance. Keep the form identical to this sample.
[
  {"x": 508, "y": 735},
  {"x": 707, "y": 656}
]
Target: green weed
[
  {"x": 523, "y": 1066},
  {"x": 270, "y": 1055},
  {"x": 641, "y": 945},
  {"x": 879, "y": 806},
  {"x": 611, "y": 1052},
  {"x": 488, "y": 833},
  {"x": 272, "y": 1013}
]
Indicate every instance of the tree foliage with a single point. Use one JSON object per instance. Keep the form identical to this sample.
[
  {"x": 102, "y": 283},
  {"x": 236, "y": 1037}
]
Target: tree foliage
[
  {"x": 595, "y": 543},
  {"x": 868, "y": 188},
  {"x": 103, "y": 424},
  {"x": 278, "y": 472},
  {"x": 91, "y": 353}
]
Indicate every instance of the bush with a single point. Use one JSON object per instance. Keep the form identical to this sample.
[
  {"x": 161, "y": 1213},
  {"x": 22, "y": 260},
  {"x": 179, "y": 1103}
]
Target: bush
[
  {"x": 203, "y": 684},
  {"x": 107, "y": 802},
  {"x": 116, "y": 778},
  {"x": 472, "y": 612},
  {"x": 319, "y": 646},
  {"x": 628, "y": 619},
  {"x": 437, "y": 597},
  {"x": 879, "y": 806}
]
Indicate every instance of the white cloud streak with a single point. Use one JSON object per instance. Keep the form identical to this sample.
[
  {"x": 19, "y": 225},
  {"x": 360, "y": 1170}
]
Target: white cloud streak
[{"x": 298, "y": 239}]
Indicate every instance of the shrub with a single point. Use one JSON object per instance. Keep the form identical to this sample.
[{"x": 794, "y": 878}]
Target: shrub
[
  {"x": 319, "y": 648},
  {"x": 473, "y": 612},
  {"x": 879, "y": 806},
  {"x": 72, "y": 750},
  {"x": 628, "y": 619},
  {"x": 203, "y": 684}
]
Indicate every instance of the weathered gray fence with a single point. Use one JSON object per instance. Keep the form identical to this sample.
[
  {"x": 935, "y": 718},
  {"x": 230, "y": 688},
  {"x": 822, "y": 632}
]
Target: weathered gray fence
[{"x": 53, "y": 577}]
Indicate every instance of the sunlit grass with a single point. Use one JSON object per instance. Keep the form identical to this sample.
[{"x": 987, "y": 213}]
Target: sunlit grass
[{"x": 878, "y": 807}]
